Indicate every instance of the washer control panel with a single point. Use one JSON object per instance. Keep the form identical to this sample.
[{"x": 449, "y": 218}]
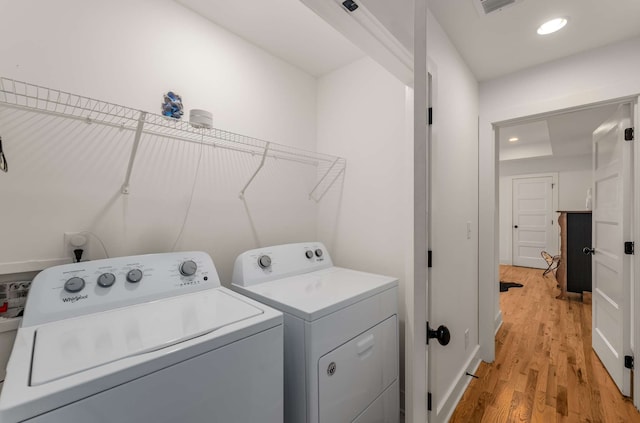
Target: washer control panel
[
  {"x": 280, "y": 261},
  {"x": 92, "y": 286}
]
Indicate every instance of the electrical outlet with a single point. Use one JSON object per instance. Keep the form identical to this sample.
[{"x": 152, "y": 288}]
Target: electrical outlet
[
  {"x": 76, "y": 240},
  {"x": 466, "y": 339}
]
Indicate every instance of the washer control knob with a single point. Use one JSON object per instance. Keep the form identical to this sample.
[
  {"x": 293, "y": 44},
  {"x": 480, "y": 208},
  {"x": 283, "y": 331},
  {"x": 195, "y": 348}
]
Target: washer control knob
[
  {"x": 106, "y": 280},
  {"x": 318, "y": 252},
  {"x": 309, "y": 254},
  {"x": 134, "y": 275},
  {"x": 74, "y": 284},
  {"x": 188, "y": 268},
  {"x": 264, "y": 261}
]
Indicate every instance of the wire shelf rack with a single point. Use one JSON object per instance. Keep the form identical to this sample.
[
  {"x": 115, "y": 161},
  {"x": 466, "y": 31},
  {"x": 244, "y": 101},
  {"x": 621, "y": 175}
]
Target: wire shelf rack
[{"x": 31, "y": 97}]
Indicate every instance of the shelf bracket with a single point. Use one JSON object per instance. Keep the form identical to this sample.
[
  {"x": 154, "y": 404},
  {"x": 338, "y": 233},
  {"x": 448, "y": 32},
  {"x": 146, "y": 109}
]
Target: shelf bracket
[
  {"x": 134, "y": 151},
  {"x": 333, "y": 180},
  {"x": 264, "y": 157}
]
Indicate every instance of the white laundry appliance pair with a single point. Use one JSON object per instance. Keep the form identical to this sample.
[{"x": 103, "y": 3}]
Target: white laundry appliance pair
[
  {"x": 340, "y": 333},
  {"x": 144, "y": 339}
]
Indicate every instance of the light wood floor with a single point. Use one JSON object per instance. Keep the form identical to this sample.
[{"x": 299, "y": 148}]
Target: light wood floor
[{"x": 545, "y": 369}]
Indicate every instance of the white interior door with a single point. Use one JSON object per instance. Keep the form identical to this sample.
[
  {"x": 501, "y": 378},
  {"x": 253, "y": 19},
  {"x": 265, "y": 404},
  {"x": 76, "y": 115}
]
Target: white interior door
[
  {"x": 612, "y": 200},
  {"x": 533, "y": 221}
]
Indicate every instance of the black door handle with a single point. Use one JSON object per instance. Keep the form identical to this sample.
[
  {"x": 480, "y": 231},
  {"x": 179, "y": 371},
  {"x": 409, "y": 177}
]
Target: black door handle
[
  {"x": 515, "y": 226},
  {"x": 442, "y": 334},
  {"x": 588, "y": 250}
]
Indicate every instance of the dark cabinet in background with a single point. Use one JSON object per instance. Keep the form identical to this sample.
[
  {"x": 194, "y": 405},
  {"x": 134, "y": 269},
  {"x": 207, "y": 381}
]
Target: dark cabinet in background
[{"x": 574, "y": 272}]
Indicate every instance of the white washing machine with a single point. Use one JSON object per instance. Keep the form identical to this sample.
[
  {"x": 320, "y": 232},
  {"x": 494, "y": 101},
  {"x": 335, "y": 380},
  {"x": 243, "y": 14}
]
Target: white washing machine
[
  {"x": 144, "y": 339},
  {"x": 340, "y": 333}
]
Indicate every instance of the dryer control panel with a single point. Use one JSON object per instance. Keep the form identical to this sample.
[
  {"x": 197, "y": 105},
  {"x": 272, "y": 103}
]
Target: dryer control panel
[
  {"x": 77, "y": 289},
  {"x": 280, "y": 261}
]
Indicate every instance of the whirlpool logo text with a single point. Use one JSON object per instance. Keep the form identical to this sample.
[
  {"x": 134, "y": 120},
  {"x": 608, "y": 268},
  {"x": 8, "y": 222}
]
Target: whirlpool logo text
[{"x": 75, "y": 298}]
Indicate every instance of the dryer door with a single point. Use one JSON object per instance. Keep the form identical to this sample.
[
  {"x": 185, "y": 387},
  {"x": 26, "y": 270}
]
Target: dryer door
[{"x": 353, "y": 375}]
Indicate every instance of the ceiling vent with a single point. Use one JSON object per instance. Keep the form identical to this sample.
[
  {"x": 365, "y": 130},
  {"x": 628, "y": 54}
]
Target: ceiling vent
[{"x": 486, "y": 7}]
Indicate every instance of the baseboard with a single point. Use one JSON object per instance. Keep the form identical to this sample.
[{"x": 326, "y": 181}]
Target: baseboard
[
  {"x": 498, "y": 321},
  {"x": 447, "y": 406}
]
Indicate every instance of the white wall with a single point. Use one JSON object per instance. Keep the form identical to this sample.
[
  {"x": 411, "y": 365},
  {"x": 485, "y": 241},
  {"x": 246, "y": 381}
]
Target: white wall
[
  {"x": 574, "y": 178},
  {"x": 599, "y": 75},
  {"x": 361, "y": 116},
  {"x": 66, "y": 176}
]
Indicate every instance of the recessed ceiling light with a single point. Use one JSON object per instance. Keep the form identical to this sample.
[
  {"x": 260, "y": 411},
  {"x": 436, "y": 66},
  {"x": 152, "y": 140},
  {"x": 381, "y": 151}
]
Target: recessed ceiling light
[
  {"x": 513, "y": 139},
  {"x": 552, "y": 26}
]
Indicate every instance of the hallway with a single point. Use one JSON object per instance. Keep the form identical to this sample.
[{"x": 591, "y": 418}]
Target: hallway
[{"x": 545, "y": 369}]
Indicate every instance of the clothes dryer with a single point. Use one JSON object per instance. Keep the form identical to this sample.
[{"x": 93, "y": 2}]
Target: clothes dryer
[{"x": 340, "y": 333}]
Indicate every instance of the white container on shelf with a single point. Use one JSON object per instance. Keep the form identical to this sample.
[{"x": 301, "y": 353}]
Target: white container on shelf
[{"x": 200, "y": 119}]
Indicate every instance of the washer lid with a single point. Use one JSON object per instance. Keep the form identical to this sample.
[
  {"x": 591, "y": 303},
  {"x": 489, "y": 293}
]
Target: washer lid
[
  {"x": 71, "y": 346},
  {"x": 317, "y": 294}
]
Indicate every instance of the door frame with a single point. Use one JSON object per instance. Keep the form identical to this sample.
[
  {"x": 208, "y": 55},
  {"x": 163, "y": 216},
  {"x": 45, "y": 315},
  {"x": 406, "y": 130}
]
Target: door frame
[
  {"x": 635, "y": 261},
  {"x": 490, "y": 318},
  {"x": 555, "y": 207},
  {"x": 416, "y": 292}
]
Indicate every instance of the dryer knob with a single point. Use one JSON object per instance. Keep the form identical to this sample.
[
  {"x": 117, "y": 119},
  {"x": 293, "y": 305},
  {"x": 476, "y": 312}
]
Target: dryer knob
[
  {"x": 318, "y": 252},
  {"x": 134, "y": 275},
  {"x": 309, "y": 254},
  {"x": 74, "y": 285},
  {"x": 188, "y": 268},
  {"x": 264, "y": 261}
]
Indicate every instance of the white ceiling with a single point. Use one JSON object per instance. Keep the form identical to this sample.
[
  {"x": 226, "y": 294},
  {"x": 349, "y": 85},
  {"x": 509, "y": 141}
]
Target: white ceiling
[
  {"x": 492, "y": 45},
  {"x": 562, "y": 135},
  {"x": 506, "y": 41},
  {"x": 533, "y": 141},
  {"x": 285, "y": 28}
]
